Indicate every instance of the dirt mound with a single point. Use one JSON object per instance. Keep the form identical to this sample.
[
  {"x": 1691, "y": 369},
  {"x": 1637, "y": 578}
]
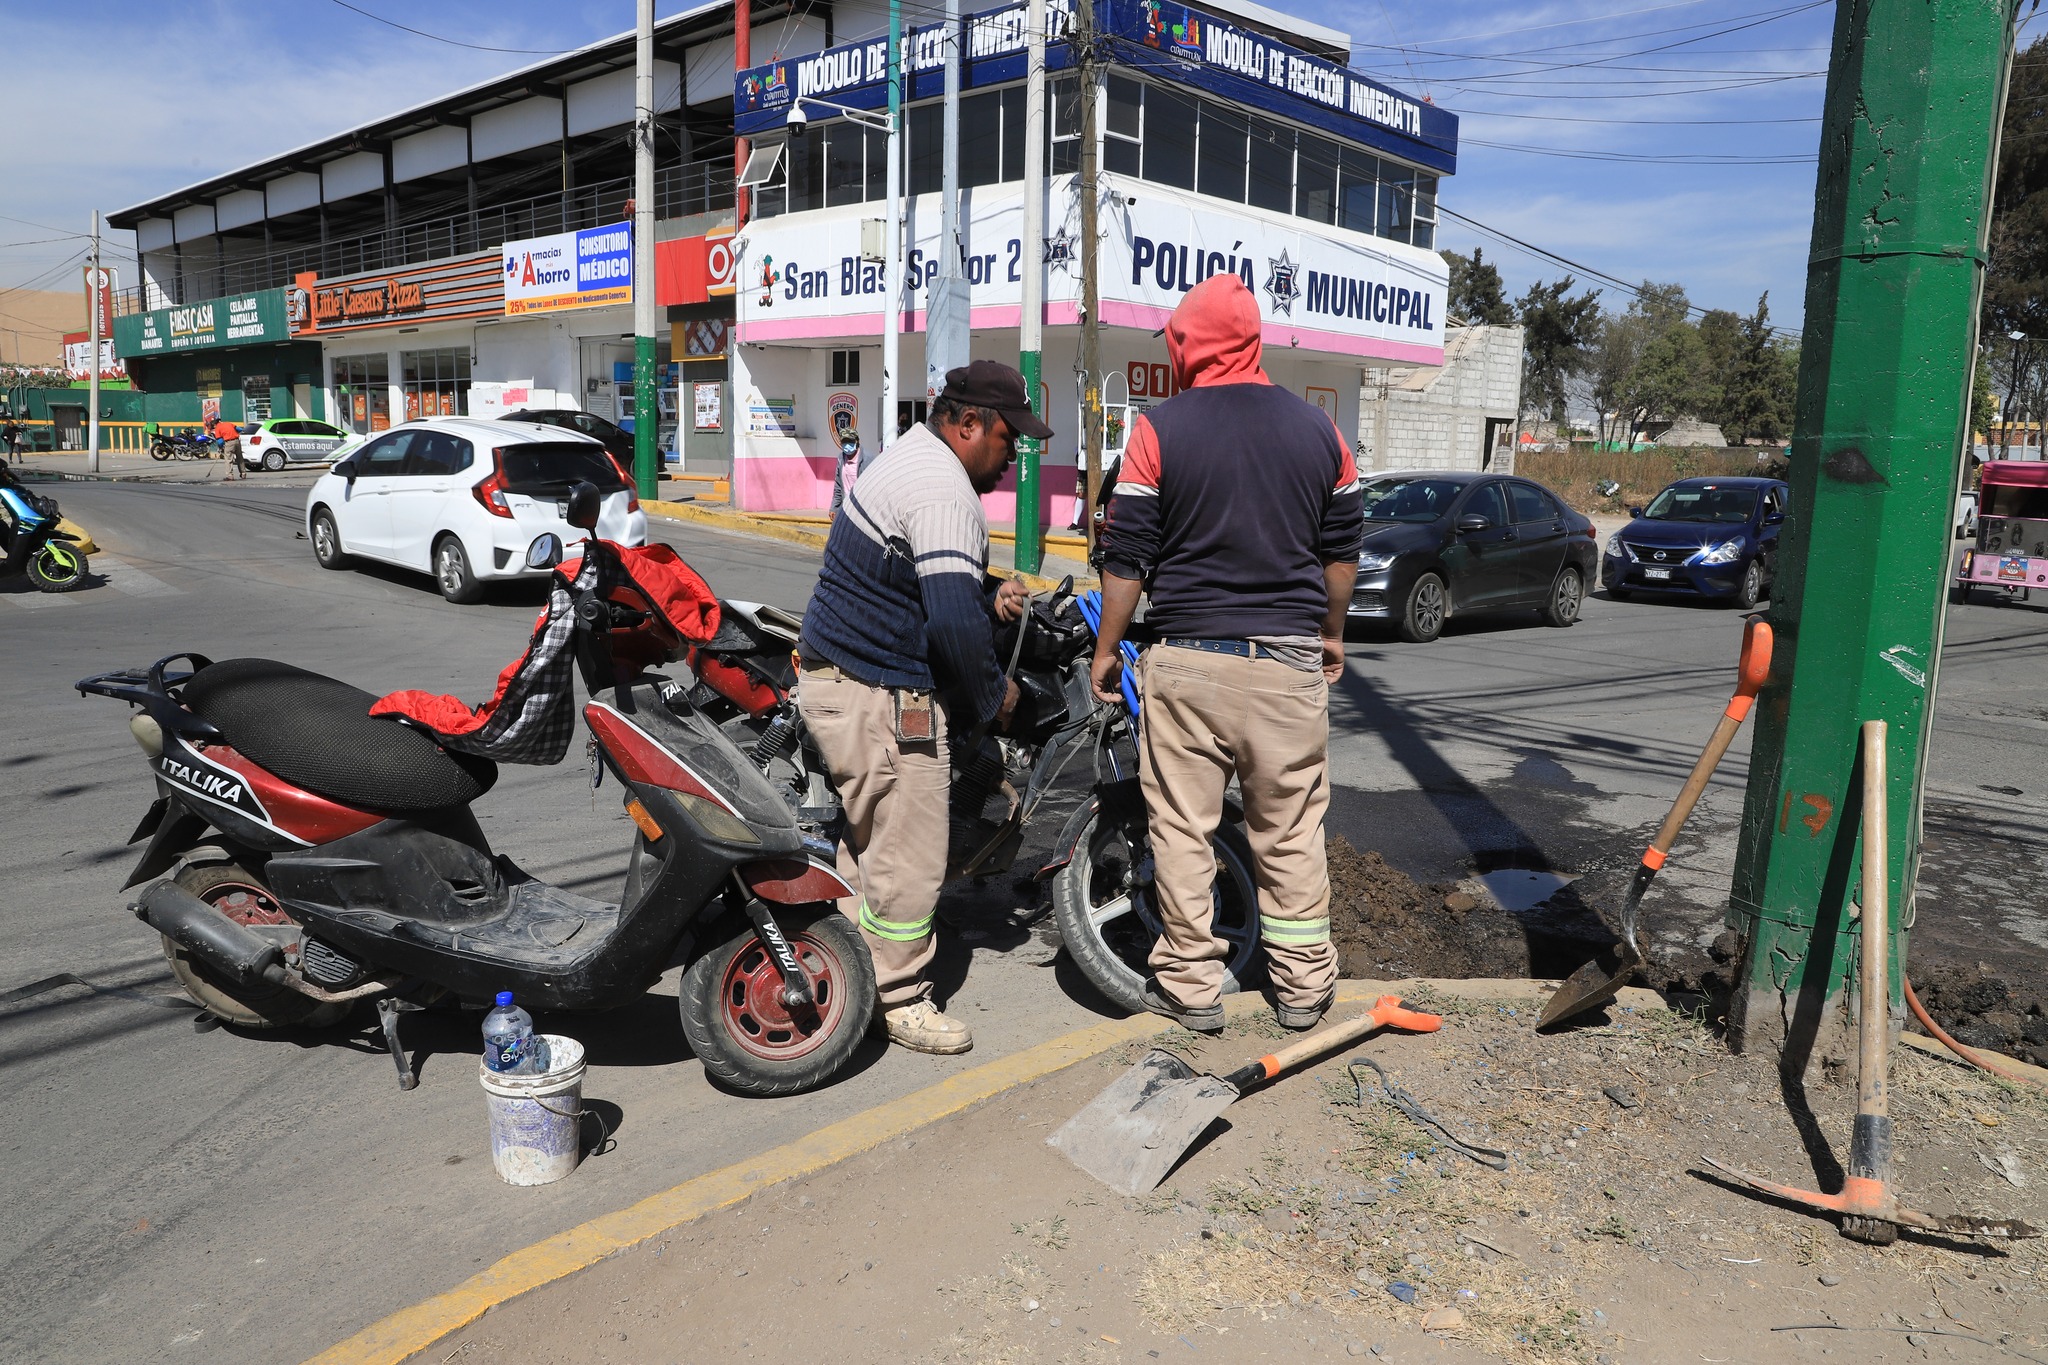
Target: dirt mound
[
  {"x": 1385, "y": 923},
  {"x": 1981, "y": 1009}
]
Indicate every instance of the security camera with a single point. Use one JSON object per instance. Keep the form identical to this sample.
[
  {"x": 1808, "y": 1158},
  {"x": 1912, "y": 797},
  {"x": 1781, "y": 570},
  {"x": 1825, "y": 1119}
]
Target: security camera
[{"x": 798, "y": 120}]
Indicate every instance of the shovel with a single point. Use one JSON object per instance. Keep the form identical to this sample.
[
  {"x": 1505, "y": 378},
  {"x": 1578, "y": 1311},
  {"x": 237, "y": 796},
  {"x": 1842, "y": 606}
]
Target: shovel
[
  {"x": 1131, "y": 1135},
  {"x": 1589, "y": 987}
]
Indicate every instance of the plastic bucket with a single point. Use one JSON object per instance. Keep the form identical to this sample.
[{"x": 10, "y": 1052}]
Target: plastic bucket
[{"x": 536, "y": 1121}]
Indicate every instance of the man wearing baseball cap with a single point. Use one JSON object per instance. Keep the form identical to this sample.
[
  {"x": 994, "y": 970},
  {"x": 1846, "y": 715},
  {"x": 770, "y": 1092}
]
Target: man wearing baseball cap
[{"x": 898, "y": 656}]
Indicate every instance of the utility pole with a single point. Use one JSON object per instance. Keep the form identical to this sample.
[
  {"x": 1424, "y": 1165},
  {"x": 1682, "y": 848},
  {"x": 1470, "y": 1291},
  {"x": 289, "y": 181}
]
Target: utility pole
[
  {"x": 92, "y": 304},
  {"x": 892, "y": 233},
  {"x": 1916, "y": 90},
  {"x": 947, "y": 340},
  {"x": 742, "y": 58},
  {"x": 1091, "y": 241},
  {"x": 2012, "y": 395},
  {"x": 1031, "y": 318},
  {"x": 646, "y": 400}
]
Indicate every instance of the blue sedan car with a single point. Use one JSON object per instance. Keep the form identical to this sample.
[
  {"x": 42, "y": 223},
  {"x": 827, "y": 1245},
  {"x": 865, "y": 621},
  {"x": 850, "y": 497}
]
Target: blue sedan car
[{"x": 1706, "y": 538}]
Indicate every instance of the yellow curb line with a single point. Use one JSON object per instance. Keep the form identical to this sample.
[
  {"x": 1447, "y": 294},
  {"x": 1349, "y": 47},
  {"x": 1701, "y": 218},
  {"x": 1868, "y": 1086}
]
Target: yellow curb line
[
  {"x": 412, "y": 1330},
  {"x": 797, "y": 534}
]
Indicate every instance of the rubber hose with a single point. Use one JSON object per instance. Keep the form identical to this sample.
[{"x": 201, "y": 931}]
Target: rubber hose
[{"x": 1973, "y": 1058}]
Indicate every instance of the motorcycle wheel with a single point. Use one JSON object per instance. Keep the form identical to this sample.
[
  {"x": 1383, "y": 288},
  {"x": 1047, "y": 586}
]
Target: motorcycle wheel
[
  {"x": 1103, "y": 903},
  {"x": 747, "y": 1039},
  {"x": 159, "y": 451},
  {"x": 57, "y": 568},
  {"x": 241, "y": 896}
]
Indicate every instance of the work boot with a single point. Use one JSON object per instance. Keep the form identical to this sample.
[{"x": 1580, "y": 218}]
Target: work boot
[
  {"x": 920, "y": 1027},
  {"x": 1207, "y": 1019},
  {"x": 1300, "y": 1017}
]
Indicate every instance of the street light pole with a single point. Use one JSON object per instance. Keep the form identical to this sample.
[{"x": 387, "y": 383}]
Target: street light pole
[
  {"x": 892, "y": 268},
  {"x": 646, "y": 402},
  {"x": 92, "y": 304},
  {"x": 1091, "y": 235},
  {"x": 1031, "y": 319},
  {"x": 2012, "y": 396}
]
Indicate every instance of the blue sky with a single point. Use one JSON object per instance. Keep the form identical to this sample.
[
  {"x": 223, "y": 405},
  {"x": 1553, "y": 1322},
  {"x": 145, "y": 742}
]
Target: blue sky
[{"x": 1561, "y": 104}]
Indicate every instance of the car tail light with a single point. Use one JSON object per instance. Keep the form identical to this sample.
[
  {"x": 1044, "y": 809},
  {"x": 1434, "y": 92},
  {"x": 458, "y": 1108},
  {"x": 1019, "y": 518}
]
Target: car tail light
[
  {"x": 490, "y": 492},
  {"x": 632, "y": 495}
]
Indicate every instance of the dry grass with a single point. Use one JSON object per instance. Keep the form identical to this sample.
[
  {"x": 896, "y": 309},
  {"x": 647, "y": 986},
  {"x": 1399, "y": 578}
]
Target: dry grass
[{"x": 1573, "y": 474}]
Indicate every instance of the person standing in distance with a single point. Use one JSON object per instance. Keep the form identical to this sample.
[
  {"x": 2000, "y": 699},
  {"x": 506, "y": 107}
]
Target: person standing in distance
[
  {"x": 898, "y": 658},
  {"x": 1238, "y": 506},
  {"x": 230, "y": 448}
]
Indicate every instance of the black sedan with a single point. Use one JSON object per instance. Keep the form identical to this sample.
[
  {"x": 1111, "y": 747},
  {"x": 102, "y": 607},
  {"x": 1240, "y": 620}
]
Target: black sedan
[
  {"x": 1444, "y": 542},
  {"x": 1715, "y": 539},
  {"x": 616, "y": 439}
]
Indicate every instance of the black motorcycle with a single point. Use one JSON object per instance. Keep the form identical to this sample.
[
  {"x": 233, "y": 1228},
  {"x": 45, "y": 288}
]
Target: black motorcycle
[
  {"x": 33, "y": 540},
  {"x": 325, "y": 856},
  {"x": 1101, "y": 869}
]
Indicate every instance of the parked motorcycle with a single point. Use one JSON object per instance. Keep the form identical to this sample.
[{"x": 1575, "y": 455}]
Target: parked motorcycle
[
  {"x": 325, "y": 856},
  {"x": 167, "y": 445},
  {"x": 33, "y": 542},
  {"x": 1101, "y": 869}
]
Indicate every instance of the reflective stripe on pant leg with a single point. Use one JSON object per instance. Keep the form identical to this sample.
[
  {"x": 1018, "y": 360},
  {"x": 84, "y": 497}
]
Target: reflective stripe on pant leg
[
  {"x": 897, "y": 931},
  {"x": 1294, "y": 931}
]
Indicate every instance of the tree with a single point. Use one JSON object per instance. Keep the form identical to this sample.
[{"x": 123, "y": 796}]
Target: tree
[
  {"x": 1649, "y": 362},
  {"x": 1558, "y": 336},
  {"x": 1757, "y": 394},
  {"x": 1476, "y": 297},
  {"x": 2016, "y": 277}
]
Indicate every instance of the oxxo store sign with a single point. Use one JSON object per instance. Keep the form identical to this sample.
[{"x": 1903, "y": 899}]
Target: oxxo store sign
[
  {"x": 238, "y": 320},
  {"x": 586, "y": 269},
  {"x": 1333, "y": 292}
]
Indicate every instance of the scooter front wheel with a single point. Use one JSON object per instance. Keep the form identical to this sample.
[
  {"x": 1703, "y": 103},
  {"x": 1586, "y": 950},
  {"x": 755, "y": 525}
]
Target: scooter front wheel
[
  {"x": 57, "y": 568},
  {"x": 737, "y": 1024}
]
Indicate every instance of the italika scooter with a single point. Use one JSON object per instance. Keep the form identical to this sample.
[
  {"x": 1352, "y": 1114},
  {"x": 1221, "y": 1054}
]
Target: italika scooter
[{"x": 321, "y": 856}]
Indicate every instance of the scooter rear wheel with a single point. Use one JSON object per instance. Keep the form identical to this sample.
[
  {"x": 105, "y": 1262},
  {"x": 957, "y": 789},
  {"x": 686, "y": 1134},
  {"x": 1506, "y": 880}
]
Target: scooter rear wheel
[
  {"x": 748, "y": 1040},
  {"x": 242, "y": 897}
]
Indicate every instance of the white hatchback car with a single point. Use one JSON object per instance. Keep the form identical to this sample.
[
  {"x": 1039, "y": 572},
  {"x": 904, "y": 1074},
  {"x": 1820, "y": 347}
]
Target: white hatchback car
[{"x": 462, "y": 499}]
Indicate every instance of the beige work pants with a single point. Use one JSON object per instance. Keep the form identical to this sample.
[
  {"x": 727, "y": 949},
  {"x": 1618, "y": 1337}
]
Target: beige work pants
[
  {"x": 895, "y": 799},
  {"x": 1206, "y": 716}
]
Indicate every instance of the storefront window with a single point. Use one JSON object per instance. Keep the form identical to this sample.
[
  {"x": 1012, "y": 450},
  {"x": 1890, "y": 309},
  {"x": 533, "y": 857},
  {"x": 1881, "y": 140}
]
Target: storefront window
[
  {"x": 1170, "y": 137},
  {"x": 1125, "y": 130},
  {"x": 1063, "y": 125},
  {"x": 436, "y": 383},
  {"x": 981, "y": 139},
  {"x": 1220, "y": 165},
  {"x": 1315, "y": 179},
  {"x": 362, "y": 392},
  {"x": 846, "y": 177},
  {"x": 1271, "y": 184}
]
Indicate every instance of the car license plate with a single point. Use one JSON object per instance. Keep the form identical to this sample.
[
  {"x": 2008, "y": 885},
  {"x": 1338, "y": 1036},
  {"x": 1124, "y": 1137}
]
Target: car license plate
[{"x": 1656, "y": 573}]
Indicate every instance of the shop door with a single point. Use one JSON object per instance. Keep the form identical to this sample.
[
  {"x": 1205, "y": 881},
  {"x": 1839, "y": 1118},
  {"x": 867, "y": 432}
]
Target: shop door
[{"x": 69, "y": 421}]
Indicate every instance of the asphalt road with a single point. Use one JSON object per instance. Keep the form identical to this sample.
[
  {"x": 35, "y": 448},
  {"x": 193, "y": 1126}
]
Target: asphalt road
[{"x": 225, "y": 1197}]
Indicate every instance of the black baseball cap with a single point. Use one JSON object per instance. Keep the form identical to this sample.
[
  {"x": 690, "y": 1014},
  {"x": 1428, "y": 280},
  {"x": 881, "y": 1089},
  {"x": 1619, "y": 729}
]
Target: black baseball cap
[{"x": 992, "y": 384}]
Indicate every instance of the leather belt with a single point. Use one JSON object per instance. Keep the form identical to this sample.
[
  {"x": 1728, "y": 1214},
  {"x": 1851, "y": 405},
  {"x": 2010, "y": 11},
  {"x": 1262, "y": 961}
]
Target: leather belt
[
  {"x": 809, "y": 664},
  {"x": 1243, "y": 649}
]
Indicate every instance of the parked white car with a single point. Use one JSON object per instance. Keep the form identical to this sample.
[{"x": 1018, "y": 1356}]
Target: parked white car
[
  {"x": 1966, "y": 514},
  {"x": 462, "y": 499}
]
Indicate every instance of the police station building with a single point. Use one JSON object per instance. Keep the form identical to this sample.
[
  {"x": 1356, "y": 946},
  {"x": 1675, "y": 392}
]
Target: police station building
[{"x": 1232, "y": 139}]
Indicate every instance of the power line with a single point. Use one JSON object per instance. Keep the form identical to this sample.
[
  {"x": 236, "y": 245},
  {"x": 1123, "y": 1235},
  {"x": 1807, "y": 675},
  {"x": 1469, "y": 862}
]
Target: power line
[
  {"x": 1634, "y": 291},
  {"x": 1635, "y": 122},
  {"x": 455, "y": 42},
  {"x": 1652, "y": 159}
]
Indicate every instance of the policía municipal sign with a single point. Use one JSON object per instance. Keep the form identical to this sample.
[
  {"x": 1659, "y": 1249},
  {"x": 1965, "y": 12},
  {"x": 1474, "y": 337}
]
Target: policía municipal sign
[
  {"x": 1320, "y": 289},
  {"x": 583, "y": 269}
]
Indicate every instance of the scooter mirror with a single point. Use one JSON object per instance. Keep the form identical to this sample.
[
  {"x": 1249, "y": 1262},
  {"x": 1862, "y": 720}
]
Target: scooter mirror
[
  {"x": 545, "y": 552},
  {"x": 583, "y": 506}
]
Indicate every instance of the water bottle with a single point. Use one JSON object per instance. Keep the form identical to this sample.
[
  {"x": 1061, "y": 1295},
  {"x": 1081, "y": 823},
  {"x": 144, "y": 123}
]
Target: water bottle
[{"x": 510, "y": 1044}]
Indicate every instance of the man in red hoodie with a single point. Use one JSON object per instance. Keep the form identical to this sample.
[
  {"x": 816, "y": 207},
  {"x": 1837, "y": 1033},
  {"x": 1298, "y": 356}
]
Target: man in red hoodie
[{"x": 1237, "y": 507}]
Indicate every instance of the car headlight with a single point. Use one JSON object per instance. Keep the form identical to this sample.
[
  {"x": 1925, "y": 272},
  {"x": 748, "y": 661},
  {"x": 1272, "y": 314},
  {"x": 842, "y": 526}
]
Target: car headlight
[
  {"x": 1727, "y": 552},
  {"x": 1615, "y": 547},
  {"x": 1373, "y": 561}
]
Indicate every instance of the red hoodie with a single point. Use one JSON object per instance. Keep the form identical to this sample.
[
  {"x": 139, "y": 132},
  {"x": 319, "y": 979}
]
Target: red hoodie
[{"x": 1234, "y": 493}]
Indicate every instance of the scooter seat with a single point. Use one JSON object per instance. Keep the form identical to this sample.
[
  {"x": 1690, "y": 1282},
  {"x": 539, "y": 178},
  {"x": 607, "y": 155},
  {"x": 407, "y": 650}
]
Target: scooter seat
[{"x": 317, "y": 733}]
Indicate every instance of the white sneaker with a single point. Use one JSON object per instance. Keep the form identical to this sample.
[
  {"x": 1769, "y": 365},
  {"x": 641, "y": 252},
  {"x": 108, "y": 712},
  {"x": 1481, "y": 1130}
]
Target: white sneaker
[{"x": 920, "y": 1027}]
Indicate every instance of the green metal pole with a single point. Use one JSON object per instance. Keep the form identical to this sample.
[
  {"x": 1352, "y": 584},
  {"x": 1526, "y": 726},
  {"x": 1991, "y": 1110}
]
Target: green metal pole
[
  {"x": 1916, "y": 89},
  {"x": 1030, "y": 554}
]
